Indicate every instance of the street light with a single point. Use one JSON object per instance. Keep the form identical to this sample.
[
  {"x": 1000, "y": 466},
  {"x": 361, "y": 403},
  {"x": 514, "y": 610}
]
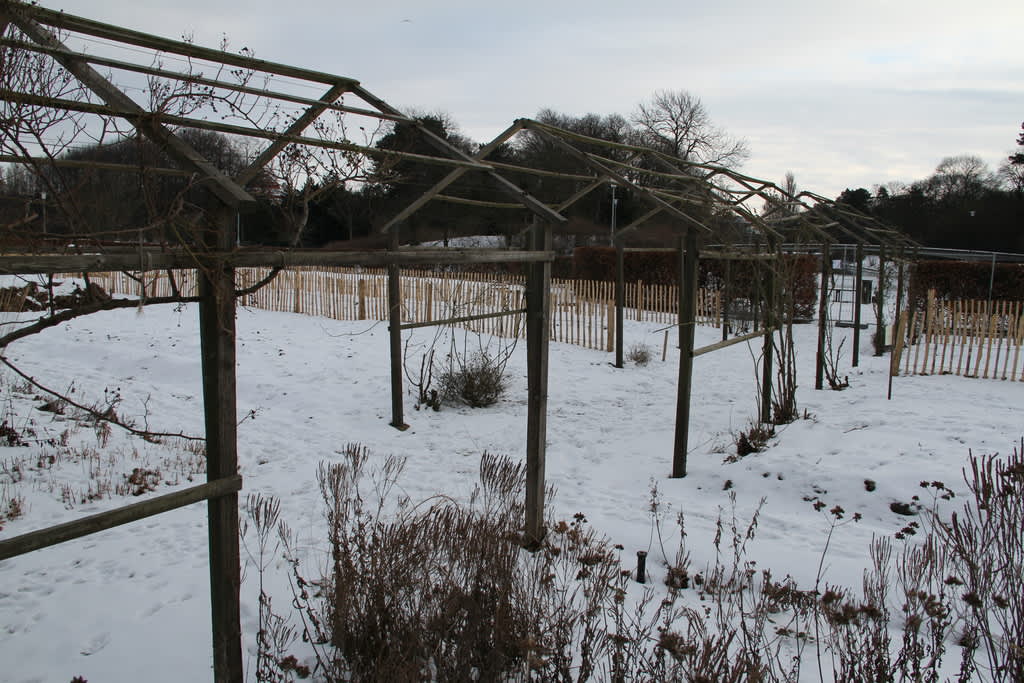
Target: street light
[{"x": 42, "y": 195}]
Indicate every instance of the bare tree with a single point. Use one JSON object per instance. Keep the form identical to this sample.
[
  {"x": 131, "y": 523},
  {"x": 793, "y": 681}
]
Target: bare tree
[
  {"x": 782, "y": 203},
  {"x": 1012, "y": 175},
  {"x": 302, "y": 174},
  {"x": 676, "y": 122},
  {"x": 959, "y": 178}
]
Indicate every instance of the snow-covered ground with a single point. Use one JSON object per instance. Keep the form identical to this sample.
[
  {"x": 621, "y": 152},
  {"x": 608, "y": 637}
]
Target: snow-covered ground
[{"x": 132, "y": 603}]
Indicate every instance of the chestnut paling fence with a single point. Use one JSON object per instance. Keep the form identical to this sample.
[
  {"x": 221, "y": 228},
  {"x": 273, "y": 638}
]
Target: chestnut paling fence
[
  {"x": 980, "y": 339},
  {"x": 582, "y": 311}
]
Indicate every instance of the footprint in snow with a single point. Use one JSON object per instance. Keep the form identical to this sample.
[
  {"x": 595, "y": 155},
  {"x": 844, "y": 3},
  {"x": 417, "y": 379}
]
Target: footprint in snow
[{"x": 96, "y": 644}]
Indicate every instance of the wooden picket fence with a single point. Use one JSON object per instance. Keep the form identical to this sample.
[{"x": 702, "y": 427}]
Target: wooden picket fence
[
  {"x": 968, "y": 338},
  {"x": 582, "y": 311}
]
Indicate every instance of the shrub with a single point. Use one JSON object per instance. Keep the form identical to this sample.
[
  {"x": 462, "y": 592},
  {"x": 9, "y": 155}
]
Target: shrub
[
  {"x": 452, "y": 590},
  {"x": 639, "y": 354},
  {"x": 478, "y": 380},
  {"x": 754, "y": 439},
  {"x": 965, "y": 280},
  {"x": 453, "y": 596},
  {"x": 984, "y": 560}
]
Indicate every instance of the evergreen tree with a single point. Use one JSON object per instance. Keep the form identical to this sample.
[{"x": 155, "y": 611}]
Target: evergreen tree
[{"x": 1018, "y": 158}]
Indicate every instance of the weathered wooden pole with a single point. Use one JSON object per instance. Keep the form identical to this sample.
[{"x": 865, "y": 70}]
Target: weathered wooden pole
[
  {"x": 826, "y": 270},
  {"x": 726, "y": 301},
  {"x": 395, "y": 336},
  {"x": 620, "y": 302},
  {"x": 217, "y": 343},
  {"x": 896, "y": 325},
  {"x": 857, "y": 303},
  {"x": 880, "y": 305},
  {"x": 538, "y": 311},
  {"x": 768, "y": 346},
  {"x": 687, "y": 315},
  {"x": 911, "y": 305}
]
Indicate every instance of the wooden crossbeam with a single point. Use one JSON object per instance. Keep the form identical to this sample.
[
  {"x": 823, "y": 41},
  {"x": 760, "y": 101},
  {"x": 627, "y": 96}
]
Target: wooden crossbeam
[
  {"x": 728, "y": 342},
  {"x": 226, "y": 189},
  {"x": 539, "y": 208},
  {"x": 81, "y": 163},
  {"x": 217, "y": 126},
  {"x": 617, "y": 177},
  {"x": 448, "y": 179},
  {"x": 60, "y": 533},
  {"x": 76, "y": 24},
  {"x": 153, "y": 259},
  {"x": 198, "y": 79},
  {"x": 463, "y": 319},
  {"x": 298, "y": 126}
]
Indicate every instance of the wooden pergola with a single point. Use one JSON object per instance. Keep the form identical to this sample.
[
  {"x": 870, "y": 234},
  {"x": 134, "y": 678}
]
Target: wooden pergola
[{"x": 683, "y": 192}]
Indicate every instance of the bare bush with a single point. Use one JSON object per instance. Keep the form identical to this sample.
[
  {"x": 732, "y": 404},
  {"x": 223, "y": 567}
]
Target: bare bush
[
  {"x": 475, "y": 376},
  {"x": 985, "y": 562},
  {"x": 453, "y": 592},
  {"x": 639, "y": 354},
  {"x": 477, "y": 380},
  {"x": 752, "y": 440},
  {"x": 454, "y": 597}
]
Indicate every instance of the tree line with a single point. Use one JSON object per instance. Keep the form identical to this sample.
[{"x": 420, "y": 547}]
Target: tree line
[{"x": 963, "y": 204}]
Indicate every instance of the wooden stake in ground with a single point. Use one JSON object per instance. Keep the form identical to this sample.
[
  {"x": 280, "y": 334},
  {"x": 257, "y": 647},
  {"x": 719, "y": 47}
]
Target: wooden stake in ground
[
  {"x": 687, "y": 321},
  {"x": 538, "y": 311},
  {"x": 1016, "y": 353}
]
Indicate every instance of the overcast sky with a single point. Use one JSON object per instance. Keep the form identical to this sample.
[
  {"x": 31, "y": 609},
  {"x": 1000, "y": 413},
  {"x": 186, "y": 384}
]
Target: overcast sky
[{"x": 844, "y": 94}]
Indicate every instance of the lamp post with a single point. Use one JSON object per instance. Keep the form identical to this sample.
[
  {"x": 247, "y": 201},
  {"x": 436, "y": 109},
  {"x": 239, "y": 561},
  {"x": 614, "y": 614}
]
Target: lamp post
[{"x": 42, "y": 196}]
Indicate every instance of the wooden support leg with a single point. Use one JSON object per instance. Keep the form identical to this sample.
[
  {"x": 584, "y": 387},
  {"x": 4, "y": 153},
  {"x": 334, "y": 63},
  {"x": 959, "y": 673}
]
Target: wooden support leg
[
  {"x": 620, "y": 302},
  {"x": 767, "y": 346},
  {"x": 880, "y": 306},
  {"x": 899, "y": 304},
  {"x": 727, "y": 297},
  {"x": 826, "y": 270},
  {"x": 687, "y": 310},
  {"x": 857, "y": 303},
  {"x": 395, "y": 338},
  {"x": 538, "y": 303},
  {"x": 217, "y": 340}
]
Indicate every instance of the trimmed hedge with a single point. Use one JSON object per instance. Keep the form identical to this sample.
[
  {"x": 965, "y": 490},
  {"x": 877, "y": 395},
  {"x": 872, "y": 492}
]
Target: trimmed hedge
[{"x": 954, "y": 280}]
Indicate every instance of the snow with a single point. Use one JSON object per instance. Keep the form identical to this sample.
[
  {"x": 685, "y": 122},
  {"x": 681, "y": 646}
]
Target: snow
[{"x": 133, "y": 602}]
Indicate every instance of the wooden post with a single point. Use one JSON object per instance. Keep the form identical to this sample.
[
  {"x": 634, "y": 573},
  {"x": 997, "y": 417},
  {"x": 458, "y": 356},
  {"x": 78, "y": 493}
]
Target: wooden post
[
  {"x": 727, "y": 298},
  {"x": 620, "y": 301},
  {"x": 768, "y": 346},
  {"x": 217, "y": 342},
  {"x": 894, "y": 362},
  {"x": 826, "y": 270},
  {"x": 611, "y": 330},
  {"x": 395, "y": 337},
  {"x": 430, "y": 302},
  {"x": 687, "y": 304},
  {"x": 538, "y": 304},
  {"x": 880, "y": 307},
  {"x": 857, "y": 303}
]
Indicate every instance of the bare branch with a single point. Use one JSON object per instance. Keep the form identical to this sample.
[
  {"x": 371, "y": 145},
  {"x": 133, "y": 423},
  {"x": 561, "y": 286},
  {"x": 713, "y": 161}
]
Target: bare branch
[{"x": 105, "y": 416}]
